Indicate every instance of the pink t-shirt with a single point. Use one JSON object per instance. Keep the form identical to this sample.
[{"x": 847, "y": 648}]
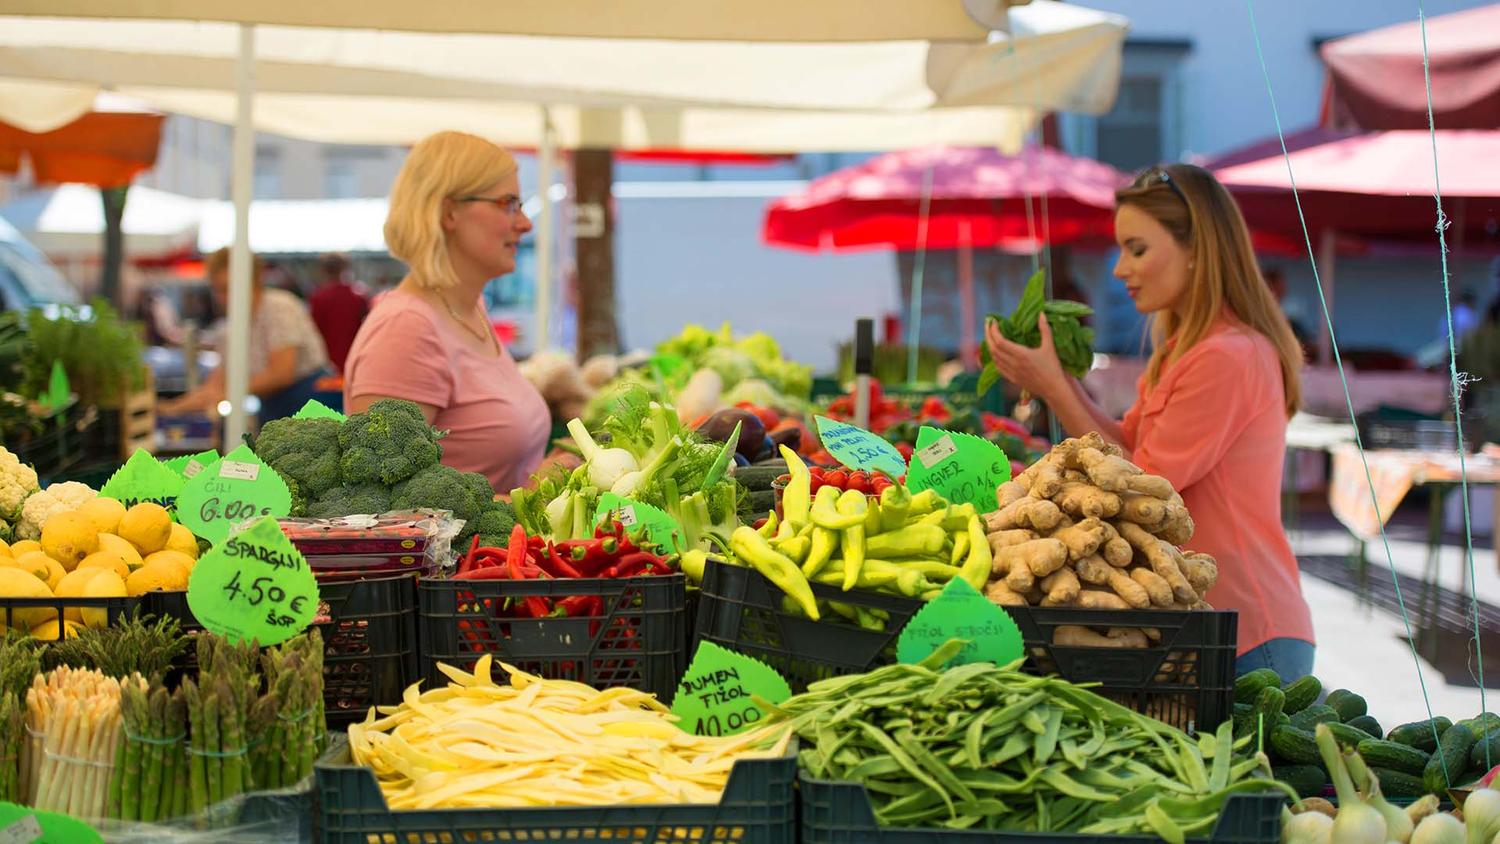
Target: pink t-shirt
[
  {"x": 497, "y": 422},
  {"x": 1215, "y": 426}
]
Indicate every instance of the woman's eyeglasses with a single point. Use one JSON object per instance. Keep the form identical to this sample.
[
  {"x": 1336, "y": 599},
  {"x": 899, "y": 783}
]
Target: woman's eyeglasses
[
  {"x": 510, "y": 203},
  {"x": 1159, "y": 176}
]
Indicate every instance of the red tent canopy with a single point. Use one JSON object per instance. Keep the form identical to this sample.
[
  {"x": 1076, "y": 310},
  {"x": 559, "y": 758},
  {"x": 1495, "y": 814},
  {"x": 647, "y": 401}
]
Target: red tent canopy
[
  {"x": 978, "y": 198},
  {"x": 100, "y": 148},
  {"x": 1376, "y": 185},
  {"x": 1376, "y": 82}
]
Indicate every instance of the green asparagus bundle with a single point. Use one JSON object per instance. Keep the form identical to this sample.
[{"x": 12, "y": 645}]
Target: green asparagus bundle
[
  {"x": 144, "y": 785},
  {"x": 291, "y": 712},
  {"x": 19, "y": 665},
  {"x": 132, "y": 645}
]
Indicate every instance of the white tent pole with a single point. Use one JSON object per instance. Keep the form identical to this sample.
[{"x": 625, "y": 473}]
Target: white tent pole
[
  {"x": 1327, "y": 256},
  {"x": 968, "y": 347},
  {"x": 544, "y": 237},
  {"x": 242, "y": 174}
]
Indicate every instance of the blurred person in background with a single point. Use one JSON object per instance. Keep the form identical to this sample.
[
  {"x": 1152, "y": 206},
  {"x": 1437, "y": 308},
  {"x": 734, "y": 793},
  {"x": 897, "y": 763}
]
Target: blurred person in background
[
  {"x": 339, "y": 306},
  {"x": 286, "y": 354}
]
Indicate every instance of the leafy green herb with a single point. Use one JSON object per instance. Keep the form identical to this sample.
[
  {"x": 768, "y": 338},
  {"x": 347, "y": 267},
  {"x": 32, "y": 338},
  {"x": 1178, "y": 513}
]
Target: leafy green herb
[{"x": 1073, "y": 340}]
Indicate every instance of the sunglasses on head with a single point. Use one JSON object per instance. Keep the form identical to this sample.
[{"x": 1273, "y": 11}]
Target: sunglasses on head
[{"x": 1160, "y": 176}]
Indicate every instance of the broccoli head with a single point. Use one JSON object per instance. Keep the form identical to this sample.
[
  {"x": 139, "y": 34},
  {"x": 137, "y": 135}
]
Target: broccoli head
[
  {"x": 493, "y": 524},
  {"x": 479, "y": 486},
  {"x": 387, "y": 444},
  {"x": 356, "y": 499},
  {"x": 438, "y": 488},
  {"x": 302, "y": 451}
]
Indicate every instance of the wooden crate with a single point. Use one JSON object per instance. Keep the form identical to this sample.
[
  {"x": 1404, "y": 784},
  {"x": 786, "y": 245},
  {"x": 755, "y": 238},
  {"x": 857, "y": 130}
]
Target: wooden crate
[{"x": 137, "y": 427}]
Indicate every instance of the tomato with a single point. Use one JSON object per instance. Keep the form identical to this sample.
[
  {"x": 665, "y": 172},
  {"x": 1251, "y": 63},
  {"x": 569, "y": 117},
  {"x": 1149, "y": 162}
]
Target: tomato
[
  {"x": 859, "y": 481},
  {"x": 905, "y": 450},
  {"x": 838, "y": 478},
  {"x": 815, "y": 471}
]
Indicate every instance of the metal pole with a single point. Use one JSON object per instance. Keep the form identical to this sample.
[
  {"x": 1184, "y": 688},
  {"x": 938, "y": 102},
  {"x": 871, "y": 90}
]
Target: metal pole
[
  {"x": 968, "y": 347},
  {"x": 914, "y": 330},
  {"x": 1327, "y": 254},
  {"x": 545, "y": 241},
  {"x": 242, "y": 174}
]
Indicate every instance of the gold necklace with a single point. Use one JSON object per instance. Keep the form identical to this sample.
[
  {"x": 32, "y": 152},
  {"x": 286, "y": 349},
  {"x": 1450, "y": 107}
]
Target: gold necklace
[{"x": 478, "y": 335}]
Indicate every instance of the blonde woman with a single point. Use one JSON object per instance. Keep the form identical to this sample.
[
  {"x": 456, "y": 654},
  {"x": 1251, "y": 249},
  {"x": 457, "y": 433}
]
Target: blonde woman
[
  {"x": 456, "y": 221},
  {"x": 1212, "y": 407}
]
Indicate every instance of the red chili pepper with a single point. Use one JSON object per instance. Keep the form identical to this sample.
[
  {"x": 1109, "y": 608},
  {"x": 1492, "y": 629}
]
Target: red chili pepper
[
  {"x": 468, "y": 560},
  {"x": 580, "y": 606},
  {"x": 491, "y": 573},
  {"x": 554, "y": 564},
  {"x": 516, "y": 552},
  {"x": 631, "y": 565}
]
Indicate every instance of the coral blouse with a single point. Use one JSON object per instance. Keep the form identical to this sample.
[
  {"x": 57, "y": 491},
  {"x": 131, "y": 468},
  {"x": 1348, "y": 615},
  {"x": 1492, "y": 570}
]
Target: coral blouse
[{"x": 1215, "y": 426}]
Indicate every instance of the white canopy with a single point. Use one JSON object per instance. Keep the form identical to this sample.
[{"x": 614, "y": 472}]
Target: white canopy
[
  {"x": 369, "y": 86},
  {"x": 68, "y": 219},
  {"x": 703, "y": 20}
]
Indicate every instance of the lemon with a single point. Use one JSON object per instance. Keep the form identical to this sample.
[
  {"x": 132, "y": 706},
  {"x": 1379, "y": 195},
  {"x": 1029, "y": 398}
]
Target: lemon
[
  {"x": 105, "y": 584},
  {"x": 39, "y": 566},
  {"x": 69, "y": 537},
  {"x": 161, "y": 576},
  {"x": 71, "y": 586},
  {"x": 15, "y": 583},
  {"x": 24, "y": 546},
  {"x": 183, "y": 540},
  {"x": 105, "y": 513},
  {"x": 107, "y": 560},
  {"x": 115, "y": 545},
  {"x": 173, "y": 558},
  {"x": 48, "y": 631},
  {"x": 147, "y": 526},
  {"x": 4, "y": 549}
]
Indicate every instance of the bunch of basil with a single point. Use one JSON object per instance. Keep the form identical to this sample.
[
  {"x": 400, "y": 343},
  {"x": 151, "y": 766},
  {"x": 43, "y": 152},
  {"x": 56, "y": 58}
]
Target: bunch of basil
[{"x": 1073, "y": 340}]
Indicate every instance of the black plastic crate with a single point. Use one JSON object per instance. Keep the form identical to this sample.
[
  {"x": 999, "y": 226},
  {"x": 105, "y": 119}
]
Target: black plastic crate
[
  {"x": 113, "y": 608},
  {"x": 758, "y": 807},
  {"x": 640, "y": 641},
  {"x": 741, "y": 610},
  {"x": 1186, "y": 679},
  {"x": 59, "y": 442},
  {"x": 369, "y": 628},
  {"x": 841, "y": 813}
]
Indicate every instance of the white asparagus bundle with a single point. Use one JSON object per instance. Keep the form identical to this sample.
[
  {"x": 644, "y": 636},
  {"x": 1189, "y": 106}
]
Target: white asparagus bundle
[{"x": 74, "y": 721}]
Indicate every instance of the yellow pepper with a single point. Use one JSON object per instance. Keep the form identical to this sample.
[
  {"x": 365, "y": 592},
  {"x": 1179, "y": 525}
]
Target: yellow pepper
[
  {"x": 826, "y": 512},
  {"x": 960, "y": 547},
  {"x": 824, "y": 543},
  {"x": 976, "y": 569},
  {"x": 852, "y": 505},
  {"x": 796, "y": 498},
  {"x": 753, "y": 548}
]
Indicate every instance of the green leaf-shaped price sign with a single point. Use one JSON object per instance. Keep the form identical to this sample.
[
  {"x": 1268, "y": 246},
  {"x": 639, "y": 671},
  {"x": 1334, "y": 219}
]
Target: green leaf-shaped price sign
[
  {"x": 659, "y": 527},
  {"x": 857, "y": 448},
  {"x": 315, "y": 409},
  {"x": 714, "y": 697},
  {"x": 960, "y": 612},
  {"x": 143, "y": 478},
  {"x": 22, "y": 824},
  {"x": 190, "y": 465},
  {"x": 962, "y": 468},
  {"x": 238, "y": 488},
  {"x": 254, "y": 585}
]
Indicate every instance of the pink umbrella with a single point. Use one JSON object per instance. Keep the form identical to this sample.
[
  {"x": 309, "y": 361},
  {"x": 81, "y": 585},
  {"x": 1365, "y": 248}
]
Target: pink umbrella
[
  {"x": 952, "y": 198},
  {"x": 1376, "y": 81}
]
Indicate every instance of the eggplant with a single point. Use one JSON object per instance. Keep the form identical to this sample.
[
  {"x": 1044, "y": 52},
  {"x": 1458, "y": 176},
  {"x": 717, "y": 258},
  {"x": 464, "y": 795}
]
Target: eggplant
[{"x": 720, "y": 426}]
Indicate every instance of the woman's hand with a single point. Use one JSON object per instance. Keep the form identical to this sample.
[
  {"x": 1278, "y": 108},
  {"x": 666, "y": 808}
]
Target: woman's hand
[{"x": 1036, "y": 371}]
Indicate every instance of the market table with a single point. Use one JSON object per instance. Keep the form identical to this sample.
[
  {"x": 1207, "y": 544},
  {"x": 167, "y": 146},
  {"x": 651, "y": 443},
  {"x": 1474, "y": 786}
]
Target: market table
[
  {"x": 1393, "y": 474},
  {"x": 1307, "y": 433}
]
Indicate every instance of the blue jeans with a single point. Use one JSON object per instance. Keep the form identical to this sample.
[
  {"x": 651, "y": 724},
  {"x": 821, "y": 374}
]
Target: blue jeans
[
  {"x": 1291, "y": 659},
  {"x": 290, "y": 399}
]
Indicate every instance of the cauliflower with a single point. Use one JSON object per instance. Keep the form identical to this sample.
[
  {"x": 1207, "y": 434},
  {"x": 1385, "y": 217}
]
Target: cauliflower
[
  {"x": 17, "y": 481},
  {"x": 57, "y": 498}
]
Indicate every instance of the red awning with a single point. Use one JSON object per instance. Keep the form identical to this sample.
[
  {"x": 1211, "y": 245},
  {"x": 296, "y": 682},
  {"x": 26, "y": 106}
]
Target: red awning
[
  {"x": 106, "y": 149},
  {"x": 1376, "y": 81},
  {"x": 1377, "y": 185},
  {"x": 978, "y": 196}
]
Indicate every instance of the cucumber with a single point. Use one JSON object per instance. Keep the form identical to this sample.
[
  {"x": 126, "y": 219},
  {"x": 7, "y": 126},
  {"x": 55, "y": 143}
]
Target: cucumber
[
  {"x": 1247, "y": 687},
  {"x": 1486, "y": 723},
  {"x": 1302, "y": 694},
  {"x": 1393, "y": 756},
  {"x": 1486, "y": 752},
  {"x": 1450, "y": 759},
  {"x": 1294, "y": 745},
  {"x": 1306, "y": 780},
  {"x": 1347, "y": 704},
  {"x": 759, "y": 476},
  {"x": 1348, "y": 736},
  {"x": 1309, "y": 718},
  {"x": 1244, "y": 720},
  {"x": 1268, "y": 705},
  {"x": 1419, "y": 734},
  {"x": 1398, "y": 783},
  {"x": 1368, "y": 724}
]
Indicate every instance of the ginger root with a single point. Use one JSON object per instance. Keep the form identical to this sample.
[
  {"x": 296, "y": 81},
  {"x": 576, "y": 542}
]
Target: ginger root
[
  {"x": 1087, "y": 501},
  {"x": 1178, "y": 526},
  {"x": 1109, "y": 472},
  {"x": 1156, "y": 587},
  {"x": 1041, "y": 556},
  {"x": 1098, "y": 599},
  {"x": 1034, "y": 513},
  {"x": 1143, "y": 510},
  {"x": 1009, "y": 493},
  {"x": 1128, "y": 637},
  {"x": 1062, "y": 588},
  {"x": 1153, "y": 485},
  {"x": 1163, "y": 557},
  {"x": 1201, "y": 570},
  {"x": 1096, "y": 571},
  {"x": 1000, "y": 593},
  {"x": 1075, "y": 636},
  {"x": 1082, "y": 539}
]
